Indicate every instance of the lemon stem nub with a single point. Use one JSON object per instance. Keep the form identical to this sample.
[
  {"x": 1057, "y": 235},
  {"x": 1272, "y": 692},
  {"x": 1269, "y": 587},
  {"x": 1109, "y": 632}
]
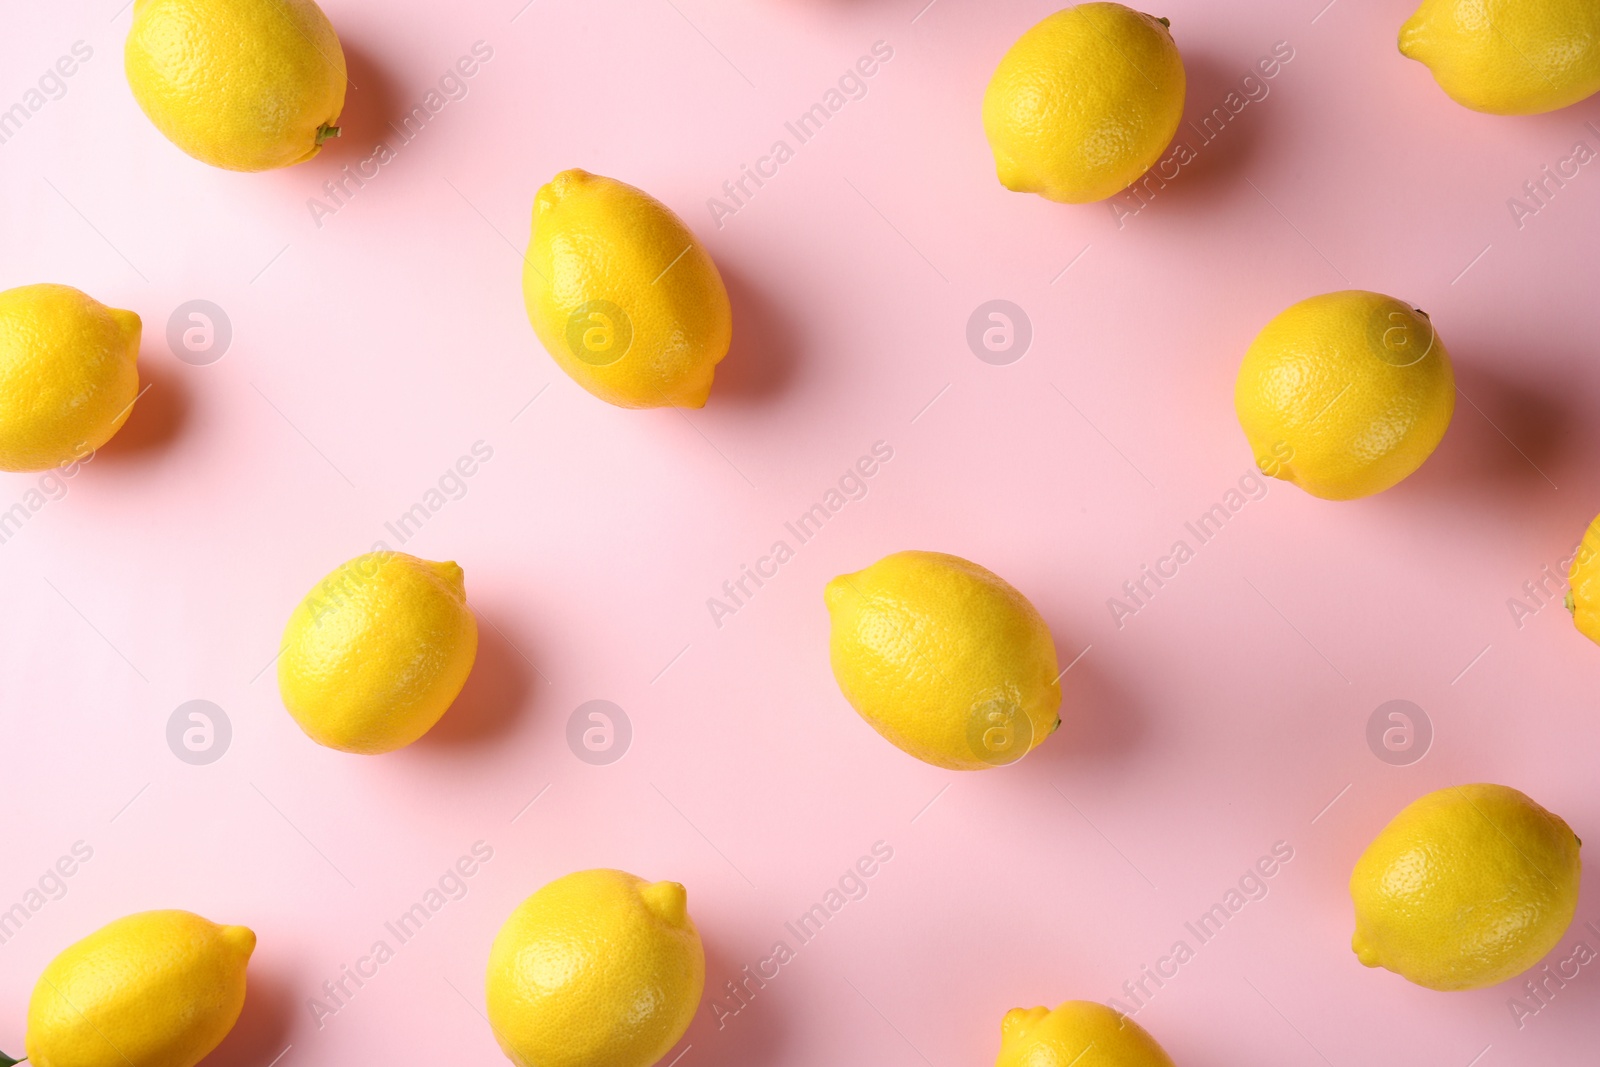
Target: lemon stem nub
[
  {"x": 324, "y": 132},
  {"x": 1165, "y": 22},
  {"x": 1571, "y": 602}
]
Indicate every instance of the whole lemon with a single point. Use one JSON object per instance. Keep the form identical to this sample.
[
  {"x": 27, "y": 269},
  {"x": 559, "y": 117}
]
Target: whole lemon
[
  {"x": 1079, "y": 1033},
  {"x": 1345, "y": 394},
  {"x": 1084, "y": 103},
  {"x": 623, "y": 295},
  {"x": 1583, "y": 599},
  {"x": 374, "y": 655},
  {"x": 597, "y": 969},
  {"x": 156, "y": 989},
  {"x": 945, "y": 659},
  {"x": 1508, "y": 57},
  {"x": 67, "y": 375},
  {"x": 241, "y": 84},
  {"x": 1467, "y": 887}
]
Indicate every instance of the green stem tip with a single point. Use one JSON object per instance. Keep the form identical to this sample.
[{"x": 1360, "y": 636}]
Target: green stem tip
[
  {"x": 7, "y": 1061},
  {"x": 324, "y": 133},
  {"x": 1570, "y": 601},
  {"x": 1165, "y": 22}
]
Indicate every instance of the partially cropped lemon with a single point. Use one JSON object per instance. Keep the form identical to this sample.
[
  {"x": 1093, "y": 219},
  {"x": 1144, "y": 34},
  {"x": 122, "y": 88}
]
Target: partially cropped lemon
[
  {"x": 1465, "y": 888},
  {"x": 377, "y": 652},
  {"x": 1508, "y": 57},
  {"x": 241, "y": 84},
  {"x": 67, "y": 375},
  {"x": 156, "y": 989},
  {"x": 597, "y": 969},
  {"x": 1084, "y": 103},
  {"x": 945, "y": 659},
  {"x": 623, "y": 295},
  {"x": 1345, "y": 394},
  {"x": 1079, "y": 1033},
  {"x": 1583, "y": 598}
]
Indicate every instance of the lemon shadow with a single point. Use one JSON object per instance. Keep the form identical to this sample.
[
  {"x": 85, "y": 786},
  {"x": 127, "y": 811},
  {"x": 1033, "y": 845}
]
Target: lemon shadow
[
  {"x": 757, "y": 1032},
  {"x": 372, "y": 102},
  {"x": 1508, "y": 441},
  {"x": 765, "y": 352},
  {"x": 265, "y": 1023},
  {"x": 1220, "y": 142},
  {"x": 496, "y": 693},
  {"x": 157, "y": 418},
  {"x": 1100, "y": 724}
]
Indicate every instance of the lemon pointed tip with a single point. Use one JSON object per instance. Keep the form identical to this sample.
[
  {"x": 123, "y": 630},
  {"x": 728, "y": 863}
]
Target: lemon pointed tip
[
  {"x": 668, "y": 901},
  {"x": 1410, "y": 40},
  {"x": 241, "y": 938},
  {"x": 1017, "y": 1022},
  {"x": 451, "y": 572}
]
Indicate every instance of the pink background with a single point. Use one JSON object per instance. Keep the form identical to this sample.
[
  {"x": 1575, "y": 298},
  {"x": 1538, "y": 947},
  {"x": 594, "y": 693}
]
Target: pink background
[{"x": 372, "y": 352}]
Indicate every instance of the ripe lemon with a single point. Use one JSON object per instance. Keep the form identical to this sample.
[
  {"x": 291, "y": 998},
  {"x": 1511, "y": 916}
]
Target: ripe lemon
[
  {"x": 1583, "y": 599},
  {"x": 1467, "y": 887},
  {"x": 1084, "y": 103},
  {"x": 945, "y": 659},
  {"x": 597, "y": 969},
  {"x": 156, "y": 989},
  {"x": 376, "y": 653},
  {"x": 240, "y": 84},
  {"x": 1508, "y": 57},
  {"x": 67, "y": 375},
  {"x": 1079, "y": 1033},
  {"x": 1345, "y": 394},
  {"x": 623, "y": 295}
]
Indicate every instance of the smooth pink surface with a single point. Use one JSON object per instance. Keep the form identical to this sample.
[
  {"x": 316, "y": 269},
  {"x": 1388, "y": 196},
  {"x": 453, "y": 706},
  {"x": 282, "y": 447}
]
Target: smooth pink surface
[{"x": 371, "y": 352}]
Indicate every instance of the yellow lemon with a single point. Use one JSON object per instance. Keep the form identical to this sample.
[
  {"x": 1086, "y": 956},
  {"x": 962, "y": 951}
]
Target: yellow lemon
[
  {"x": 623, "y": 295},
  {"x": 1084, "y": 103},
  {"x": 377, "y": 652},
  {"x": 945, "y": 659},
  {"x": 1508, "y": 57},
  {"x": 240, "y": 84},
  {"x": 67, "y": 375},
  {"x": 1467, "y": 887},
  {"x": 597, "y": 969},
  {"x": 1583, "y": 599},
  {"x": 1079, "y": 1033},
  {"x": 1345, "y": 394},
  {"x": 156, "y": 989}
]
